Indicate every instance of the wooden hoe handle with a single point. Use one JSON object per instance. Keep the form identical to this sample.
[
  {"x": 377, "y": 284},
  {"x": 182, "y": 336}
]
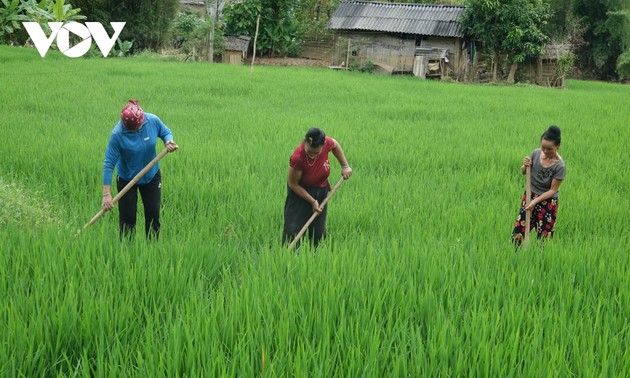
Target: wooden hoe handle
[
  {"x": 315, "y": 214},
  {"x": 528, "y": 195},
  {"x": 129, "y": 186}
]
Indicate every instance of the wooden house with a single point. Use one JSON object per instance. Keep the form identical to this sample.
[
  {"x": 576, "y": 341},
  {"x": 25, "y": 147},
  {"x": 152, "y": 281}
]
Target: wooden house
[
  {"x": 546, "y": 70},
  {"x": 194, "y": 5},
  {"x": 423, "y": 39},
  {"x": 235, "y": 51}
]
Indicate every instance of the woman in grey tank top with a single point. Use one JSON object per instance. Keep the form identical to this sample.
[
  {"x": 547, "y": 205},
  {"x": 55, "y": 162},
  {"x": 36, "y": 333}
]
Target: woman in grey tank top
[{"x": 547, "y": 172}]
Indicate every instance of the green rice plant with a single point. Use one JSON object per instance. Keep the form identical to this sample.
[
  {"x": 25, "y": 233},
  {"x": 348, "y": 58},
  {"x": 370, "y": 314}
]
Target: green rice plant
[{"x": 417, "y": 276}]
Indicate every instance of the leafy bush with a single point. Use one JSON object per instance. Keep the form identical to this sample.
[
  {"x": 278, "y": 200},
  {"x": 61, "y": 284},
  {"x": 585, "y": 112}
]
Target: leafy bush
[
  {"x": 623, "y": 65},
  {"x": 122, "y": 48},
  {"x": 279, "y": 33},
  {"x": 565, "y": 63},
  {"x": 368, "y": 66},
  {"x": 11, "y": 16},
  {"x": 192, "y": 35},
  {"x": 14, "y": 12}
]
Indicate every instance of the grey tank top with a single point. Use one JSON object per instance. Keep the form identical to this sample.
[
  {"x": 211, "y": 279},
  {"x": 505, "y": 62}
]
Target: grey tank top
[{"x": 542, "y": 177}]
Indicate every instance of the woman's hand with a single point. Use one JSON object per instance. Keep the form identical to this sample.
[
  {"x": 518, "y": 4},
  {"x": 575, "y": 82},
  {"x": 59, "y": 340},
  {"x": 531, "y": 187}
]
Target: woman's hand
[
  {"x": 346, "y": 172},
  {"x": 171, "y": 146},
  {"x": 316, "y": 207},
  {"x": 527, "y": 162},
  {"x": 107, "y": 204},
  {"x": 530, "y": 206}
]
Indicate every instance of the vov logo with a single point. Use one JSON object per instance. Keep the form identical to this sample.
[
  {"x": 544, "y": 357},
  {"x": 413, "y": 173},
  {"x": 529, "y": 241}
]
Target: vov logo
[{"x": 62, "y": 31}]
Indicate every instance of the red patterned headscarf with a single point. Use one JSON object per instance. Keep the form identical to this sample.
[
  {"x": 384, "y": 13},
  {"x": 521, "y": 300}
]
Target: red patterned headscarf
[{"x": 132, "y": 115}]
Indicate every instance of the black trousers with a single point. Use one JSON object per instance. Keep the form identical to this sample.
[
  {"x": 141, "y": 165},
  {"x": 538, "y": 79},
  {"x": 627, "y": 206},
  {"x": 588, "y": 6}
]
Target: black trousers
[
  {"x": 298, "y": 211},
  {"x": 151, "y": 193}
]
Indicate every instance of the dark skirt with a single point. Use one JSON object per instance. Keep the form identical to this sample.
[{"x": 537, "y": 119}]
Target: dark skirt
[{"x": 297, "y": 212}]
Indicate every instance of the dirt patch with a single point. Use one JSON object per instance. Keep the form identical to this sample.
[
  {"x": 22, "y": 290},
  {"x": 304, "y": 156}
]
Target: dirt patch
[{"x": 290, "y": 62}]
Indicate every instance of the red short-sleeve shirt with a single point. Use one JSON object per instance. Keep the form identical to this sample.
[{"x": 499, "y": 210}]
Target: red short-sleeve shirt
[{"x": 314, "y": 173}]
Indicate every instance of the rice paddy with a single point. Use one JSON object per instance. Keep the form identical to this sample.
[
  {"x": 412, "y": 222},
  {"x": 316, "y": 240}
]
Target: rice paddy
[{"x": 416, "y": 278}]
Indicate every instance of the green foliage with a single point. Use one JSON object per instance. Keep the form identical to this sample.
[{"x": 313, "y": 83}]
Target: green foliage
[
  {"x": 558, "y": 22},
  {"x": 18, "y": 11},
  {"x": 96, "y": 10},
  {"x": 368, "y": 66},
  {"x": 525, "y": 40},
  {"x": 566, "y": 62},
  {"x": 40, "y": 12},
  {"x": 619, "y": 26},
  {"x": 482, "y": 21},
  {"x": 122, "y": 48},
  {"x": 240, "y": 17},
  {"x": 623, "y": 65},
  {"x": 148, "y": 22},
  {"x": 63, "y": 12},
  {"x": 279, "y": 31},
  {"x": 313, "y": 16},
  {"x": 510, "y": 27},
  {"x": 191, "y": 34},
  {"x": 354, "y": 65},
  {"x": 11, "y": 18},
  {"x": 599, "y": 30},
  {"x": 606, "y": 28},
  {"x": 185, "y": 23}
]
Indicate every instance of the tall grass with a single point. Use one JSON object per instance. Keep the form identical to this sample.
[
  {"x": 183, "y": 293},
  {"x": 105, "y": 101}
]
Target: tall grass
[{"x": 417, "y": 277}]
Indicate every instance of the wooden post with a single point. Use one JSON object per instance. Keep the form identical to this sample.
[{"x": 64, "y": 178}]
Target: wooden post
[
  {"x": 210, "y": 56},
  {"x": 251, "y": 70},
  {"x": 348, "y": 55}
]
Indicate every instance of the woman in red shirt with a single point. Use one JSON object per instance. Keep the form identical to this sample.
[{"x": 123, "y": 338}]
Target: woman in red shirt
[{"x": 308, "y": 184}]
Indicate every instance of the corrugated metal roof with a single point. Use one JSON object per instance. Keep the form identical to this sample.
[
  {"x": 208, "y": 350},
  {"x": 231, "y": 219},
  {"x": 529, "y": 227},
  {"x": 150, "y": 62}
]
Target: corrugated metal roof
[
  {"x": 237, "y": 42},
  {"x": 423, "y": 19}
]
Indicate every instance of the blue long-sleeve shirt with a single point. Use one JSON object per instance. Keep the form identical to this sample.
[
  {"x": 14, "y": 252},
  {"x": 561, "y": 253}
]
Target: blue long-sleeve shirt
[{"x": 130, "y": 151}]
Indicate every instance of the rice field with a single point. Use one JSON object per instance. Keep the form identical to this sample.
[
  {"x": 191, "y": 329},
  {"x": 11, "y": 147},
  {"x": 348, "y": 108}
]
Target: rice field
[{"x": 417, "y": 277}]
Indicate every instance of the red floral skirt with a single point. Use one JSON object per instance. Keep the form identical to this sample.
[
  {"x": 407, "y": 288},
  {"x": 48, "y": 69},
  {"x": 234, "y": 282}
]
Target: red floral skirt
[{"x": 543, "y": 219}]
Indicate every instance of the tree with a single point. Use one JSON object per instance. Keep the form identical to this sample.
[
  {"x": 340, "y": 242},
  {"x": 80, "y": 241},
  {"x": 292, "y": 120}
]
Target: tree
[
  {"x": 619, "y": 25},
  {"x": 623, "y": 65},
  {"x": 605, "y": 29},
  {"x": 525, "y": 40},
  {"x": 147, "y": 22},
  {"x": 513, "y": 28},
  {"x": 192, "y": 34},
  {"x": 279, "y": 32},
  {"x": 313, "y": 16},
  {"x": 598, "y": 30}
]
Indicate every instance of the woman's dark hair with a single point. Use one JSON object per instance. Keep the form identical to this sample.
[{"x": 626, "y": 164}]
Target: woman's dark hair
[
  {"x": 315, "y": 137},
  {"x": 552, "y": 134}
]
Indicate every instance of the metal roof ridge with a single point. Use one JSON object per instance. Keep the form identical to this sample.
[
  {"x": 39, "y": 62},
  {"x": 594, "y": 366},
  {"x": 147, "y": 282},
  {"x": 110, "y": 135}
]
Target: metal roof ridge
[{"x": 414, "y": 5}]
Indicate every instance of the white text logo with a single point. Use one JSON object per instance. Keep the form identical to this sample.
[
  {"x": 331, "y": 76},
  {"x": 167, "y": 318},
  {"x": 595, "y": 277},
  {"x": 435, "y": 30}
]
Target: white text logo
[{"x": 62, "y": 33}]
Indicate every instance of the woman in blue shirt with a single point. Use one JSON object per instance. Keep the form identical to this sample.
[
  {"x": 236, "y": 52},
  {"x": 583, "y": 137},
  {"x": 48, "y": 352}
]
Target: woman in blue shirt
[{"x": 131, "y": 147}]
